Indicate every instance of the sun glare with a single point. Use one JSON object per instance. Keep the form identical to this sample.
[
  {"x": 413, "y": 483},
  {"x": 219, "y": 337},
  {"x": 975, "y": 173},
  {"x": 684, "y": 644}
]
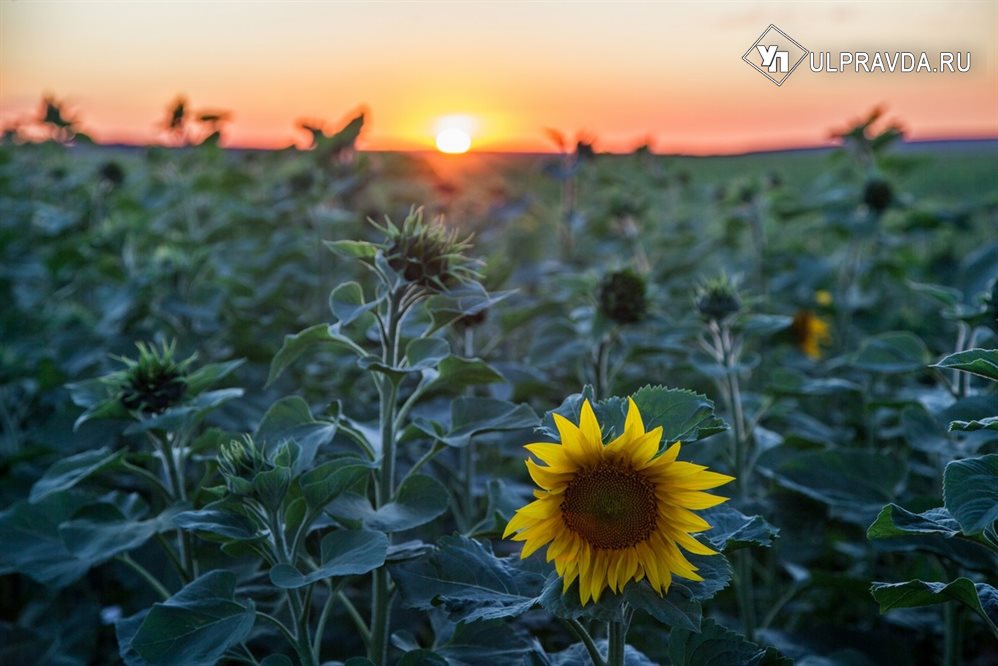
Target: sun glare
[
  {"x": 454, "y": 134},
  {"x": 453, "y": 140}
]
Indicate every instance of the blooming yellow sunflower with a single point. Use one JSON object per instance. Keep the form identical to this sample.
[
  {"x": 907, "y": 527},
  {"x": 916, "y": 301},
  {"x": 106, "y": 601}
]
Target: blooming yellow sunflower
[
  {"x": 811, "y": 332},
  {"x": 614, "y": 513}
]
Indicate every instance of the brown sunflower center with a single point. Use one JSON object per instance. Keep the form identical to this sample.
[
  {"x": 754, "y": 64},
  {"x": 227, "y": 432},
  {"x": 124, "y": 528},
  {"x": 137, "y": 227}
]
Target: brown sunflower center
[{"x": 610, "y": 507}]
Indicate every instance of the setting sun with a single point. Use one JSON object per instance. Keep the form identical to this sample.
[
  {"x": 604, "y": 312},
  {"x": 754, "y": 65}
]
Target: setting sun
[
  {"x": 454, "y": 133},
  {"x": 453, "y": 140}
]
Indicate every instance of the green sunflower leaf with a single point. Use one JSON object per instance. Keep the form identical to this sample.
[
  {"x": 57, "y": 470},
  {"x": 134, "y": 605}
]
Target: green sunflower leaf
[
  {"x": 979, "y": 597},
  {"x": 980, "y": 362},
  {"x": 344, "y": 553},
  {"x": 196, "y": 625},
  {"x": 465, "y": 578},
  {"x": 970, "y": 492},
  {"x": 717, "y": 646}
]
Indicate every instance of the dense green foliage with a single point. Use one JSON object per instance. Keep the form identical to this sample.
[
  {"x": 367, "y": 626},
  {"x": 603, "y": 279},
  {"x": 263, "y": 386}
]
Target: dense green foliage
[{"x": 314, "y": 451}]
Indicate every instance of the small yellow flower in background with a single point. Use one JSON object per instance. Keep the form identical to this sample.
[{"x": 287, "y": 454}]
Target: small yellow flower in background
[
  {"x": 823, "y": 297},
  {"x": 811, "y": 332},
  {"x": 615, "y": 513}
]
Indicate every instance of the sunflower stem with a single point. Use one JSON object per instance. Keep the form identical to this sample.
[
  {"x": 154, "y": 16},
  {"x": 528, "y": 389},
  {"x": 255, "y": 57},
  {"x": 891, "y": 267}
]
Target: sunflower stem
[
  {"x": 953, "y": 645},
  {"x": 602, "y": 368},
  {"x": 580, "y": 633},
  {"x": 468, "y": 452},
  {"x": 381, "y": 598},
  {"x": 617, "y": 644}
]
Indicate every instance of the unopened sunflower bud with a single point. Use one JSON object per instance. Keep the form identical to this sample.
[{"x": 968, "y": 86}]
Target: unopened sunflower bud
[
  {"x": 239, "y": 461},
  {"x": 155, "y": 381},
  {"x": 878, "y": 195},
  {"x": 717, "y": 298},
  {"x": 427, "y": 253},
  {"x": 622, "y": 297}
]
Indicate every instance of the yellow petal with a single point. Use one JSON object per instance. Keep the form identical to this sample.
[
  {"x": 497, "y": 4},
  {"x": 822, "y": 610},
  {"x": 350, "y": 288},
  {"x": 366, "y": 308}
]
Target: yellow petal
[
  {"x": 551, "y": 454},
  {"x": 692, "y": 545},
  {"x": 701, "y": 481},
  {"x": 694, "y": 499},
  {"x": 592, "y": 438},
  {"x": 644, "y": 448},
  {"x": 545, "y": 478},
  {"x": 518, "y": 522},
  {"x": 571, "y": 439},
  {"x": 633, "y": 425}
]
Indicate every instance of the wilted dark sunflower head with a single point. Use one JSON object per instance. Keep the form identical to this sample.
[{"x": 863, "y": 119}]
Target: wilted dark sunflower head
[
  {"x": 622, "y": 297},
  {"x": 878, "y": 195},
  {"x": 428, "y": 254},
  {"x": 717, "y": 298},
  {"x": 155, "y": 381}
]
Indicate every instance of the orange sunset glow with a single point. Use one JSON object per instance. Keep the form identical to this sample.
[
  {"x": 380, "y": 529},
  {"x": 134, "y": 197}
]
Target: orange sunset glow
[{"x": 626, "y": 73}]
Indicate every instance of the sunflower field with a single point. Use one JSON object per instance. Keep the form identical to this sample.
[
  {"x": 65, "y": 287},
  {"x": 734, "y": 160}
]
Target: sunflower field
[{"x": 323, "y": 406}]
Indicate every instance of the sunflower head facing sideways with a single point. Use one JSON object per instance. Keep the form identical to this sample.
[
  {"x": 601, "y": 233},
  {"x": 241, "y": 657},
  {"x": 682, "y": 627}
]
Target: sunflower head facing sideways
[{"x": 615, "y": 513}]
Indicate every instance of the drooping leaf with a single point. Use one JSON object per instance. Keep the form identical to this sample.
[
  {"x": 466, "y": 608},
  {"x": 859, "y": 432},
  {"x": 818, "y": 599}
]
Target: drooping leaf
[
  {"x": 344, "y": 553},
  {"x": 981, "y": 598}
]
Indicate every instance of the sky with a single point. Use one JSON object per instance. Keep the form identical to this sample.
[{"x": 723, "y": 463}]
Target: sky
[{"x": 624, "y": 73}]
